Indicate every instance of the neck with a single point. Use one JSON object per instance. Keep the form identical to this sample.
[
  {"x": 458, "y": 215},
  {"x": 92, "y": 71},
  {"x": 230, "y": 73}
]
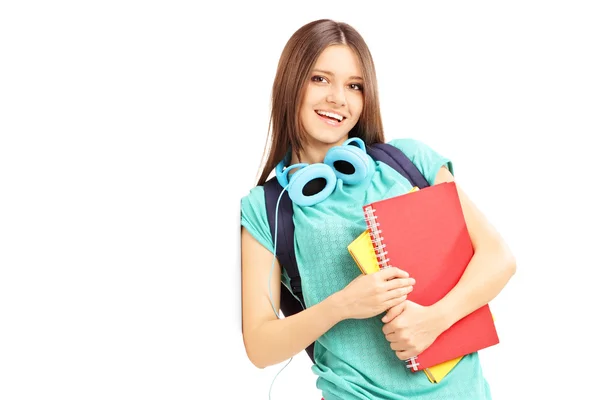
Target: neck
[
  {"x": 314, "y": 152},
  {"x": 310, "y": 155}
]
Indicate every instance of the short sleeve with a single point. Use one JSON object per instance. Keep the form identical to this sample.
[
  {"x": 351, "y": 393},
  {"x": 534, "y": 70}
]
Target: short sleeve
[
  {"x": 254, "y": 217},
  {"x": 427, "y": 160}
]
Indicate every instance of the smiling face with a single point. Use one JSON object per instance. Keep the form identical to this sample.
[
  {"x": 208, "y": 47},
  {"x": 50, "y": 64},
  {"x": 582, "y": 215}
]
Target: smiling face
[{"x": 333, "y": 98}]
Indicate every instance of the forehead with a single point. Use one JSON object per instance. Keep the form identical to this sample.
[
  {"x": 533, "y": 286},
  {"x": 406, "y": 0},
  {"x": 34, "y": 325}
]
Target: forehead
[{"x": 340, "y": 60}]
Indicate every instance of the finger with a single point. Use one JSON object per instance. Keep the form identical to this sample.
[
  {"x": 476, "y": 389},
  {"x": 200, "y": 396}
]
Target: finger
[
  {"x": 406, "y": 354},
  {"x": 394, "y": 311},
  {"x": 399, "y": 282},
  {"x": 401, "y": 292},
  {"x": 394, "y": 343},
  {"x": 398, "y": 293},
  {"x": 391, "y": 304},
  {"x": 398, "y": 346},
  {"x": 392, "y": 272}
]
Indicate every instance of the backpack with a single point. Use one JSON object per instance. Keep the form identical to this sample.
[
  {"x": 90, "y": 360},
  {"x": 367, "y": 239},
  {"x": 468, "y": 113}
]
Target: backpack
[{"x": 293, "y": 302}]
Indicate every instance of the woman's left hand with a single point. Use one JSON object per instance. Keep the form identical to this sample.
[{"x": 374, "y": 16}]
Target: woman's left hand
[{"x": 411, "y": 328}]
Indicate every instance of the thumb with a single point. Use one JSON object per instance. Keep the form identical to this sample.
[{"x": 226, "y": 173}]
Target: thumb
[{"x": 393, "y": 312}]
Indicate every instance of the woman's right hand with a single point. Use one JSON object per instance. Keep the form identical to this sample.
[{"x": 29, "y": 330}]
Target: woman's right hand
[{"x": 370, "y": 295}]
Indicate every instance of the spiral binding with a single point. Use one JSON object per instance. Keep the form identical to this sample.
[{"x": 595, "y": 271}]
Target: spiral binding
[
  {"x": 376, "y": 237},
  {"x": 383, "y": 261}
]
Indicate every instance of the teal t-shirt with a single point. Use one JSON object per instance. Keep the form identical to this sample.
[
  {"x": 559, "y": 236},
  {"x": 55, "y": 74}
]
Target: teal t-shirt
[{"x": 353, "y": 360}]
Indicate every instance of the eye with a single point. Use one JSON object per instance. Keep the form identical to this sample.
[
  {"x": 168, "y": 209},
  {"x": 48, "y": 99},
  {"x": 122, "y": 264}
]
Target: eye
[
  {"x": 318, "y": 78},
  {"x": 356, "y": 86}
]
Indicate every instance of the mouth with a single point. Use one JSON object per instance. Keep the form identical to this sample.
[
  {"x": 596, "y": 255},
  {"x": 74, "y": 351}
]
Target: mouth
[{"x": 330, "y": 117}]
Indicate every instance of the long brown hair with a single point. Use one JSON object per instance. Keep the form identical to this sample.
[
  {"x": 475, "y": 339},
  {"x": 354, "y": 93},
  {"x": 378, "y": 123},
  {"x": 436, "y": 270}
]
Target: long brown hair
[{"x": 295, "y": 64}]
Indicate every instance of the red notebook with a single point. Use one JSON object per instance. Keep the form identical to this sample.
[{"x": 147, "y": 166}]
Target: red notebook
[{"x": 425, "y": 233}]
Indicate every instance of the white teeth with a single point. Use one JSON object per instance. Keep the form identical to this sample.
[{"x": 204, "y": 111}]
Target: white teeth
[{"x": 331, "y": 115}]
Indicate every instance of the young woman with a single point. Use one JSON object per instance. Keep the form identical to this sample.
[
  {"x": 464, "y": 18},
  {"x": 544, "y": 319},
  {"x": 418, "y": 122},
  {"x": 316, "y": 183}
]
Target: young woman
[{"x": 325, "y": 92}]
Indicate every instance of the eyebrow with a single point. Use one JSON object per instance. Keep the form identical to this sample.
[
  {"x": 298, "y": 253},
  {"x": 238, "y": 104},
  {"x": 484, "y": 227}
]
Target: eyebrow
[{"x": 331, "y": 73}]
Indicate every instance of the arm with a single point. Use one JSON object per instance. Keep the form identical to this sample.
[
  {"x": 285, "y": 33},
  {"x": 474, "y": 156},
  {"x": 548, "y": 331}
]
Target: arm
[
  {"x": 270, "y": 340},
  {"x": 411, "y": 328},
  {"x": 489, "y": 270}
]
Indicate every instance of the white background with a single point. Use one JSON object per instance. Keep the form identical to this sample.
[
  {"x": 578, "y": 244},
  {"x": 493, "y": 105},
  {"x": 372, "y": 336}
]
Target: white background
[{"x": 130, "y": 131}]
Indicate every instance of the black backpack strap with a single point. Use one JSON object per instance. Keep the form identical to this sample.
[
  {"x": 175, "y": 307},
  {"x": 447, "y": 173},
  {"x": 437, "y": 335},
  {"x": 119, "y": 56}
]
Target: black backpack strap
[
  {"x": 395, "y": 158},
  {"x": 285, "y": 232},
  {"x": 285, "y": 252}
]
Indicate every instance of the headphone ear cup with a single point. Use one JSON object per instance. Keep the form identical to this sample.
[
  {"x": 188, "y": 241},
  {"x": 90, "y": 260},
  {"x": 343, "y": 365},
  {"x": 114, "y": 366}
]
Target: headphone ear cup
[
  {"x": 280, "y": 174},
  {"x": 311, "y": 184},
  {"x": 351, "y": 164}
]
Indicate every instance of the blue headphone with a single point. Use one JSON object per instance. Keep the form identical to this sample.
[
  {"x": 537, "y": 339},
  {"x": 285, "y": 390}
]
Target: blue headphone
[{"x": 313, "y": 183}]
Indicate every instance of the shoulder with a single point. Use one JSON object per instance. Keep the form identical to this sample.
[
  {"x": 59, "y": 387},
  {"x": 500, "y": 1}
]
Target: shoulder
[
  {"x": 425, "y": 158},
  {"x": 254, "y": 216},
  {"x": 254, "y": 200}
]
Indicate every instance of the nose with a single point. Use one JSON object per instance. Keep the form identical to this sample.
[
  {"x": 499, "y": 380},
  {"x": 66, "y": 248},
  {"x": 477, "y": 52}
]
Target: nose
[{"x": 336, "y": 96}]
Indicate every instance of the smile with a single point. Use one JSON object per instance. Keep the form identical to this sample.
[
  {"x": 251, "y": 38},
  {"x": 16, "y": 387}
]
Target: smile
[{"x": 330, "y": 118}]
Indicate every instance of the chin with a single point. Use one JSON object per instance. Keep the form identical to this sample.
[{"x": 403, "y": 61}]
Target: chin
[{"x": 329, "y": 139}]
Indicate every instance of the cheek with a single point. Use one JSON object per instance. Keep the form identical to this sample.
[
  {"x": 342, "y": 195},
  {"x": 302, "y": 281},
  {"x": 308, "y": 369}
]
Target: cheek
[
  {"x": 358, "y": 108},
  {"x": 356, "y": 101},
  {"x": 306, "y": 112},
  {"x": 313, "y": 95}
]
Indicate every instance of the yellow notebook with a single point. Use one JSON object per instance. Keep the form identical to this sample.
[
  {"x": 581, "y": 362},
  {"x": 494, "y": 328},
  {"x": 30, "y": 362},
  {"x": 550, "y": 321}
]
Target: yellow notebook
[
  {"x": 436, "y": 373},
  {"x": 363, "y": 253}
]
